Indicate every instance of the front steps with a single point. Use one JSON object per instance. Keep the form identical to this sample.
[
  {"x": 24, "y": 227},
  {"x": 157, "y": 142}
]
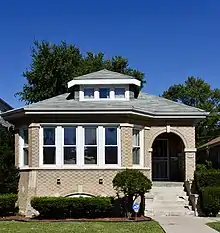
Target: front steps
[{"x": 167, "y": 199}]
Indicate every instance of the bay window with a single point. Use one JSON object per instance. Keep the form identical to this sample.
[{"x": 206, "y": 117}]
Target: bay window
[{"x": 80, "y": 145}]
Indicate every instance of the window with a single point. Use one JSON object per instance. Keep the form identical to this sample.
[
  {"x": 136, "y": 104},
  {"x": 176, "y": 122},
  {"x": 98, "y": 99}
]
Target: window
[
  {"x": 82, "y": 146},
  {"x": 111, "y": 146},
  {"x": 119, "y": 93},
  {"x": 136, "y": 146},
  {"x": 104, "y": 93},
  {"x": 69, "y": 148},
  {"x": 49, "y": 146},
  {"x": 24, "y": 135},
  {"x": 88, "y": 93},
  {"x": 90, "y": 147}
]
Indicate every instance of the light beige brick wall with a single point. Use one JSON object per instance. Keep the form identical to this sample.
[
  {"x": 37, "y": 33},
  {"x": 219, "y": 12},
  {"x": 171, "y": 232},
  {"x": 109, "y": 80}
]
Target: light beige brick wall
[
  {"x": 190, "y": 165},
  {"x": 126, "y": 145},
  {"x": 33, "y": 147},
  {"x": 74, "y": 181},
  {"x": 23, "y": 191}
]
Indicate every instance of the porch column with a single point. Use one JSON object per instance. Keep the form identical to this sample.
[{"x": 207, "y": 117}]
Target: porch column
[
  {"x": 190, "y": 163},
  {"x": 33, "y": 141},
  {"x": 126, "y": 144},
  {"x": 148, "y": 151}
]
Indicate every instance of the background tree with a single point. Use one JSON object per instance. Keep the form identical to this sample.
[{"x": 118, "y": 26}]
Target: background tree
[
  {"x": 53, "y": 65},
  {"x": 132, "y": 184},
  {"x": 198, "y": 93},
  {"x": 9, "y": 174}
]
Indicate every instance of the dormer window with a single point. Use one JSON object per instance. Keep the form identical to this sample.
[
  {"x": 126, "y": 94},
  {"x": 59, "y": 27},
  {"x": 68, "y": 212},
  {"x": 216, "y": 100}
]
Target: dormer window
[
  {"x": 88, "y": 93},
  {"x": 104, "y": 93},
  {"x": 119, "y": 93}
]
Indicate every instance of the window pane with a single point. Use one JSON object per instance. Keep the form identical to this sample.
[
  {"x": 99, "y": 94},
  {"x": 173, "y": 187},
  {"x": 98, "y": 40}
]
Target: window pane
[
  {"x": 104, "y": 93},
  {"x": 25, "y": 151},
  {"x": 136, "y": 138},
  {"x": 49, "y": 136},
  {"x": 69, "y": 136},
  {"x": 136, "y": 155},
  {"x": 90, "y": 136},
  {"x": 88, "y": 93},
  {"x": 25, "y": 133},
  {"x": 90, "y": 155},
  {"x": 69, "y": 155},
  {"x": 110, "y": 136},
  {"x": 119, "y": 93},
  {"x": 49, "y": 155},
  {"x": 111, "y": 155}
]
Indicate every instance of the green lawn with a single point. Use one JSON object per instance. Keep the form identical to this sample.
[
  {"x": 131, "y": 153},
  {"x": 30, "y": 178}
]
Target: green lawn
[
  {"x": 88, "y": 227},
  {"x": 214, "y": 225}
]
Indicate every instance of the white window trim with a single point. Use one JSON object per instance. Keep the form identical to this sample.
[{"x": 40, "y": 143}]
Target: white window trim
[
  {"x": 111, "y": 94},
  {"x": 80, "y": 138},
  {"x": 21, "y": 148},
  {"x": 141, "y": 142}
]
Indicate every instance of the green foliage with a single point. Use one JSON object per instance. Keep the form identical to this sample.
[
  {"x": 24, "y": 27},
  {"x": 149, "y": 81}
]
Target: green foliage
[
  {"x": 8, "y": 204},
  {"x": 9, "y": 174},
  {"x": 210, "y": 200},
  {"x": 77, "y": 207},
  {"x": 205, "y": 178},
  {"x": 197, "y": 93},
  {"x": 131, "y": 182},
  {"x": 53, "y": 65},
  {"x": 201, "y": 168}
]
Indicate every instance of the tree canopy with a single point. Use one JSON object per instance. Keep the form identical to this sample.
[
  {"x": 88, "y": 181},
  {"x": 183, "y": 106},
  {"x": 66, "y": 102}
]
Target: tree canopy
[
  {"x": 198, "y": 93},
  {"x": 53, "y": 65}
]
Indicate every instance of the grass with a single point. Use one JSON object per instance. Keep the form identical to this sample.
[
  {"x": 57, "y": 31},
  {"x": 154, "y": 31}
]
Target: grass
[
  {"x": 214, "y": 225},
  {"x": 88, "y": 227}
]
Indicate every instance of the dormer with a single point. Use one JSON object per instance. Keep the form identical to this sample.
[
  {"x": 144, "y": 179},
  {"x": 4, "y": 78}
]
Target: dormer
[{"x": 104, "y": 85}]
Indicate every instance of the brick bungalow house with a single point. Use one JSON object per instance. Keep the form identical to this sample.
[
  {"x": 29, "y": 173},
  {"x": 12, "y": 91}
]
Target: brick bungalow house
[{"x": 75, "y": 143}]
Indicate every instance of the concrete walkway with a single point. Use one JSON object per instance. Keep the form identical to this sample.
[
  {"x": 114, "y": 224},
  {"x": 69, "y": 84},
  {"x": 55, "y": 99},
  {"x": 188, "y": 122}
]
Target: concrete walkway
[{"x": 185, "y": 224}]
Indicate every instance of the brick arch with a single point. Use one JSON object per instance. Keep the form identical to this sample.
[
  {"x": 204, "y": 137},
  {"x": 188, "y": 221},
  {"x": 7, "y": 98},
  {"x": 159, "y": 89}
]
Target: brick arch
[
  {"x": 79, "y": 193},
  {"x": 175, "y": 131}
]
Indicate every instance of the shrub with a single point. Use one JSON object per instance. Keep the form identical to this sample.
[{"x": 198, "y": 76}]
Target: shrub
[
  {"x": 75, "y": 207},
  {"x": 205, "y": 178},
  {"x": 132, "y": 183},
  {"x": 8, "y": 204},
  {"x": 210, "y": 200}
]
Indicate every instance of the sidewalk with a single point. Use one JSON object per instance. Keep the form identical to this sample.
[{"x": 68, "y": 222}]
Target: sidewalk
[{"x": 185, "y": 224}]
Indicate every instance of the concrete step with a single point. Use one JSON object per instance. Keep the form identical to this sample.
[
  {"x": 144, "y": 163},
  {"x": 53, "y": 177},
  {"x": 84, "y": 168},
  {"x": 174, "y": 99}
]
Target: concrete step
[
  {"x": 167, "y": 184},
  {"x": 169, "y": 213},
  {"x": 170, "y": 203}
]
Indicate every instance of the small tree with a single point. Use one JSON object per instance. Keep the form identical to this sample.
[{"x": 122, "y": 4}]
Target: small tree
[{"x": 132, "y": 183}]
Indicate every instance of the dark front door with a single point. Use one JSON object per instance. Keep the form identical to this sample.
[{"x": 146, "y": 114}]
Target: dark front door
[{"x": 160, "y": 160}]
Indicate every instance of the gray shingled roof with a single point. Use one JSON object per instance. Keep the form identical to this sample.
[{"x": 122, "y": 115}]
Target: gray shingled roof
[
  {"x": 147, "y": 104},
  {"x": 104, "y": 74}
]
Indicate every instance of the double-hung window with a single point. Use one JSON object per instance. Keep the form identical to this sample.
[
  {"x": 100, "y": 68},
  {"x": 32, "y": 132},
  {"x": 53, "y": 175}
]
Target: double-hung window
[
  {"x": 104, "y": 93},
  {"x": 111, "y": 145},
  {"x": 119, "y": 93},
  {"x": 88, "y": 93},
  {"x": 49, "y": 145},
  {"x": 90, "y": 145},
  {"x": 69, "y": 147},
  {"x": 136, "y": 147},
  {"x": 24, "y": 138}
]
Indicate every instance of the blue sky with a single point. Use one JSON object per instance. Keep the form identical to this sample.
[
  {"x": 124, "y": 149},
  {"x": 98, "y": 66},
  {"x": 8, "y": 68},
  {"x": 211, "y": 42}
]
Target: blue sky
[{"x": 167, "y": 40}]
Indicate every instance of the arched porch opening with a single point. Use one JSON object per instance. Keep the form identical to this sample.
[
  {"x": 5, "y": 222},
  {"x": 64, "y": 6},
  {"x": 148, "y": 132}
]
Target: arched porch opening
[{"x": 168, "y": 158}]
